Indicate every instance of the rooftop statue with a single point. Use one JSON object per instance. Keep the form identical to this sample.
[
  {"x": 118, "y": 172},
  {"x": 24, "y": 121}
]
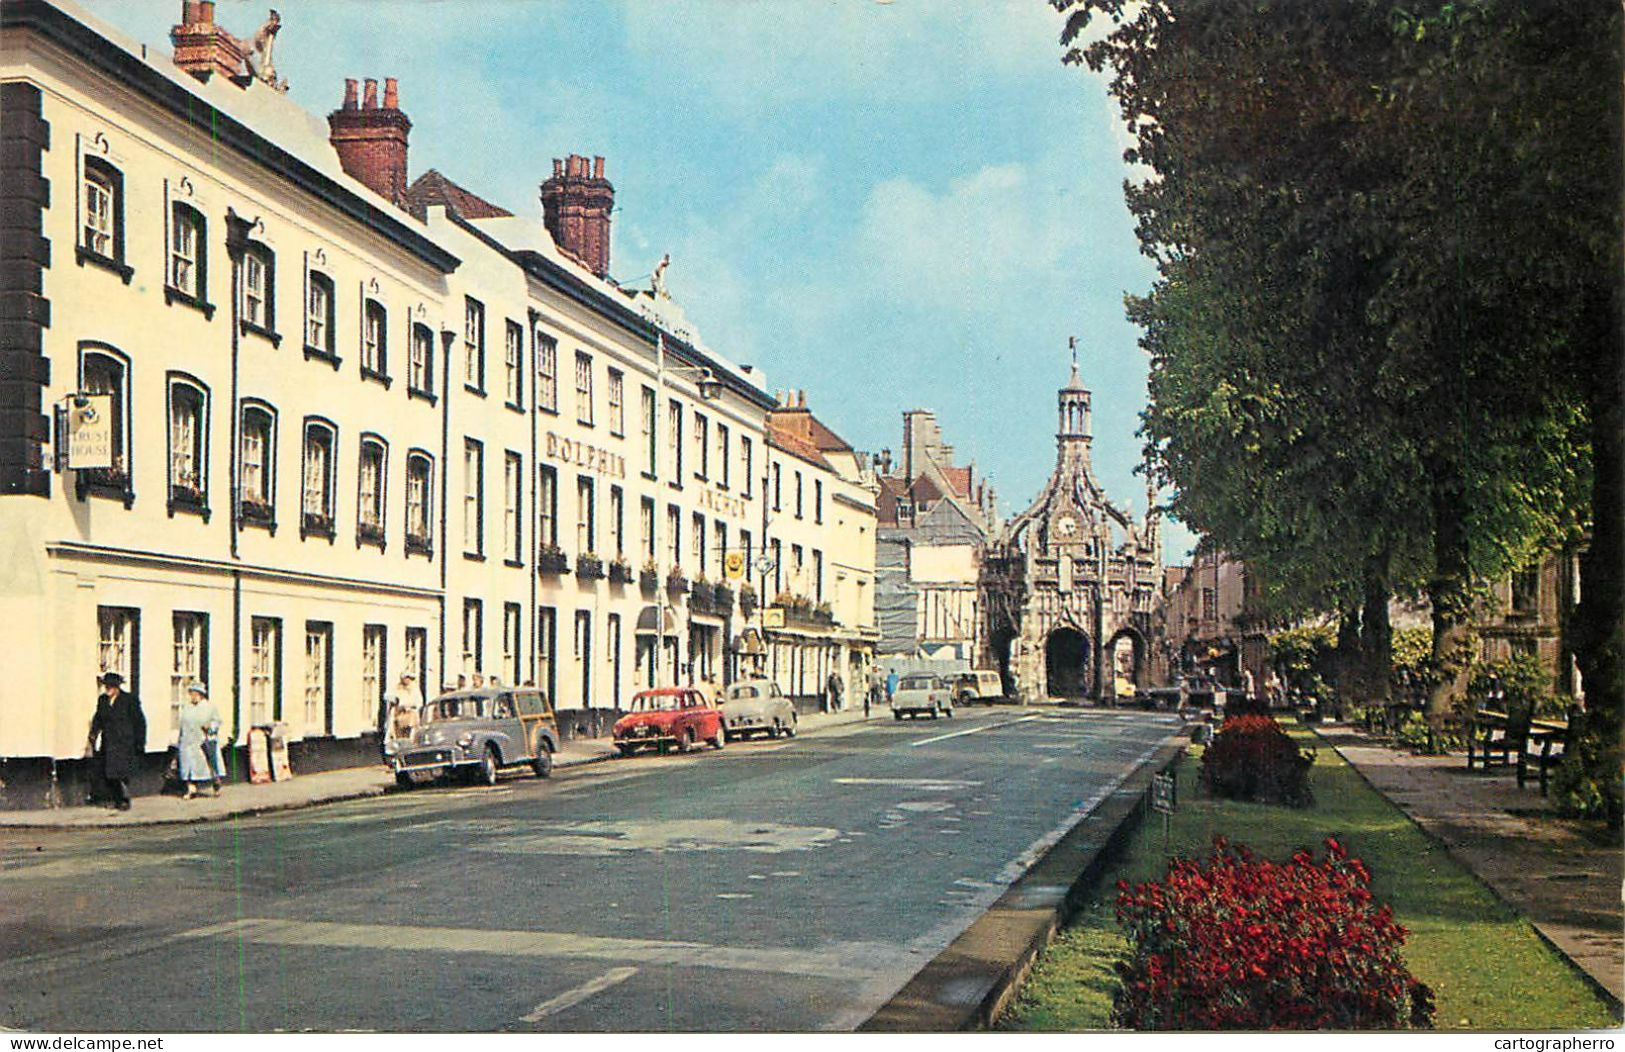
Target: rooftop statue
[{"x": 258, "y": 52}]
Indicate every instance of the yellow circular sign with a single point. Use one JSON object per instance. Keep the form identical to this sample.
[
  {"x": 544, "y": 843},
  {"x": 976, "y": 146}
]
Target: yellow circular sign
[{"x": 733, "y": 565}]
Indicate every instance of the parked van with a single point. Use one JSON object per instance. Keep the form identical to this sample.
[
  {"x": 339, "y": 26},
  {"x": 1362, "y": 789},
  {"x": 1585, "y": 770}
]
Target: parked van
[{"x": 978, "y": 685}]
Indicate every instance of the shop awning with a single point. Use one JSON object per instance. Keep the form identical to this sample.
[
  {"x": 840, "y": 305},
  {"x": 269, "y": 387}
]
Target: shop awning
[{"x": 649, "y": 622}]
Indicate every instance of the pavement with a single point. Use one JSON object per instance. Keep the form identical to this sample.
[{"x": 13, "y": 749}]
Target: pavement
[
  {"x": 310, "y": 790},
  {"x": 1563, "y": 875}
]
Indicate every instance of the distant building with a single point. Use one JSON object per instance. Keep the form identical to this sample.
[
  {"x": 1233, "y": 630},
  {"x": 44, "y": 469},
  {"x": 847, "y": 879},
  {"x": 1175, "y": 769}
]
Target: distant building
[
  {"x": 1204, "y": 625},
  {"x": 1070, "y": 584},
  {"x": 935, "y": 518},
  {"x": 818, "y": 589}
]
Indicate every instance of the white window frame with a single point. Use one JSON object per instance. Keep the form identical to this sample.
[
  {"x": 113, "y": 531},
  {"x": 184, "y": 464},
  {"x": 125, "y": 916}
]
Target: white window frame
[
  {"x": 513, "y": 358},
  {"x": 617, "y": 402},
  {"x": 584, "y": 400},
  {"x": 547, "y": 372},
  {"x": 184, "y": 237},
  {"x": 513, "y": 497},
  {"x": 473, "y": 497}
]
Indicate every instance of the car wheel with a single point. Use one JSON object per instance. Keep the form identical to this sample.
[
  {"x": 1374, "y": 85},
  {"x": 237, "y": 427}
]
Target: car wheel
[
  {"x": 897, "y": 715},
  {"x": 686, "y": 742},
  {"x": 627, "y": 748},
  {"x": 488, "y": 766},
  {"x": 543, "y": 763},
  {"x": 404, "y": 780},
  {"x": 721, "y": 739},
  {"x": 790, "y": 731}
]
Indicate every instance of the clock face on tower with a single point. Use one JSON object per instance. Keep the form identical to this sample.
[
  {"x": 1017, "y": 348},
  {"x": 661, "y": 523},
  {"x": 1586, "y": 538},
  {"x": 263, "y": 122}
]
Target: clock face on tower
[{"x": 1066, "y": 527}]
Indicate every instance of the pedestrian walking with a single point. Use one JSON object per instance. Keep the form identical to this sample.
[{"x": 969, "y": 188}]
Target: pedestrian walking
[
  {"x": 118, "y": 735},
  {"x": 832, "y": 693},
  {"x": 891, "y": 685},
  {"x": 874, "y": 696},
  {"x": 401, "y": 714},
  {"x": 199, "y": 725}
]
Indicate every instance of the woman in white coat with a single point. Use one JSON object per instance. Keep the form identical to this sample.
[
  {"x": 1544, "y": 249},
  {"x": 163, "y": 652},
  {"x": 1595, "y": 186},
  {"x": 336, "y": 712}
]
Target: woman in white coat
[{"x": 200, "y": 721}]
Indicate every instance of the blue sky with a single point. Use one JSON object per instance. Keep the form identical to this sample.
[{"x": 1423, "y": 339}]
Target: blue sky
[{"x": 892, "y": 205}]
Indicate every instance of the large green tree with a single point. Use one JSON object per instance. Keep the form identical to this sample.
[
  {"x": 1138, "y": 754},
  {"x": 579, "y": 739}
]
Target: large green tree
[{"x": 1385, "y": 338}]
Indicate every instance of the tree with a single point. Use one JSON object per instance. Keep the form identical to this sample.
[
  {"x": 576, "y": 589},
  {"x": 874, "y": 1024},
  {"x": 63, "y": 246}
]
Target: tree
[{"x": 1363, "y": 377}]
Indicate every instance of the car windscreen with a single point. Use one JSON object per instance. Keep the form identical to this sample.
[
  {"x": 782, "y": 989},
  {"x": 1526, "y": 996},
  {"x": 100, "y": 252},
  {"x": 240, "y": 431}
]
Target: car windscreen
[
  {"x": 739, "y": 693},
  {"x": 917, "y": 683},
  {"x": 656, "y": 702}
]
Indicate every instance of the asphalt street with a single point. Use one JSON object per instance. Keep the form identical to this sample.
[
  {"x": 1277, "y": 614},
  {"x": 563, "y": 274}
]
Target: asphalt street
[{"x": 786, "y": 886}]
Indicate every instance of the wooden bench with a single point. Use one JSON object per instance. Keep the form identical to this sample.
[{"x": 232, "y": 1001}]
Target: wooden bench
[
  {"x": 1494, "y": 738},
  {"x": 1543, "y": 747}
]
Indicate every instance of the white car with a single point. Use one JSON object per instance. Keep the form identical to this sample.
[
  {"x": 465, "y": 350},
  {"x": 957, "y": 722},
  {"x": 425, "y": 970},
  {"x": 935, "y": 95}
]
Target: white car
[
  {"x": 919, "y": 693},
  {"x": 757, "y": 706}
]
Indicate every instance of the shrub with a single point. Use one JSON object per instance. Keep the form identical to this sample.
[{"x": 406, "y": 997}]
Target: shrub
[
  {"x": 1519, "y": 684},
  {"x": 1252, "y": 758},
  {"x": 1238, "y": 943}
]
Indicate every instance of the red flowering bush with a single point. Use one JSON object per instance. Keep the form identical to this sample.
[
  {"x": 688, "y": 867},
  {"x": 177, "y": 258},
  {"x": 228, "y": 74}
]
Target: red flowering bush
[
  {"x": 1238, "y": 943},
  {"x": 1252, "y": 758}
]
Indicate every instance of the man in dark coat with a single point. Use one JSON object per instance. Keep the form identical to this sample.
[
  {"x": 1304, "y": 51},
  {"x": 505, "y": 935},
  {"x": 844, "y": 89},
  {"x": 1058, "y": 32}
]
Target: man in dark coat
[{"x": 118, "y": 736}]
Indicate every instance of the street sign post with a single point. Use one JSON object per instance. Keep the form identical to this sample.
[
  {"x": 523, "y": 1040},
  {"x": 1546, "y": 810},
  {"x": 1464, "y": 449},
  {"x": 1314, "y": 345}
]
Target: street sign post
[{"x": 1164, "y": 798}]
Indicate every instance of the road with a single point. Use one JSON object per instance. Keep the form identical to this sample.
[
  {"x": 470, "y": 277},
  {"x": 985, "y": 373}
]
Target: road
[{"x": 788, "y": 886}]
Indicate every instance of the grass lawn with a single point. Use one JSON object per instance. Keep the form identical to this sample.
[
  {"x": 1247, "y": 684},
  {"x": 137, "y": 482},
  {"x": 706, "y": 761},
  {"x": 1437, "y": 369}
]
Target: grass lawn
[{"x": 1487, "y": 967}]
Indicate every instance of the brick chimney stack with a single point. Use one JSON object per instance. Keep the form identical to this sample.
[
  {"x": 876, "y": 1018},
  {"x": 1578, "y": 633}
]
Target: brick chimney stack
[
  {"x": 203, "y": 48},
  {"x": 576, "y": 203},
  {"x": 371, "y": 139}
]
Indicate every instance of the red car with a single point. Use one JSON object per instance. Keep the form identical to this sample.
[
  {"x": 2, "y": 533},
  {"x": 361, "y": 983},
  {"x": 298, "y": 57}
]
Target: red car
[{"x": 680, "y": 716}]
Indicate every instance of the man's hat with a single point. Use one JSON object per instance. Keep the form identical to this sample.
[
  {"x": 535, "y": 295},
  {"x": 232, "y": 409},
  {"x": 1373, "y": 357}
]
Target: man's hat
[
  {"x": 199, "y": 689},
  {"x": 111, "y": 679}
]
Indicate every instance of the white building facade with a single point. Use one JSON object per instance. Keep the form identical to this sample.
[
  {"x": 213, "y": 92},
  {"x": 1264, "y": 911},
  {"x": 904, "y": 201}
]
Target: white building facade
[{"x": 345, "y": 428}]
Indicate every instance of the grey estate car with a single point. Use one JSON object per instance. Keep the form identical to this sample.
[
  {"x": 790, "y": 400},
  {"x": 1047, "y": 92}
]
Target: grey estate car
[
  {"x": 480, "y": 732},
  {"x": 756, "y": 706},
  {"x": 921, "y": 693}
]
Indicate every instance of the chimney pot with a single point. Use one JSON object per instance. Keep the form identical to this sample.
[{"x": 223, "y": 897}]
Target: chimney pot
[
  {"x": 188, "y": 12},
  {"x": 576, "y": 210},
  {"x": 371, "y": 142},
  {"x": 392, "y": 94},
  {"x": 205, "y": 12},
  {"x": 597, "y": 167}
]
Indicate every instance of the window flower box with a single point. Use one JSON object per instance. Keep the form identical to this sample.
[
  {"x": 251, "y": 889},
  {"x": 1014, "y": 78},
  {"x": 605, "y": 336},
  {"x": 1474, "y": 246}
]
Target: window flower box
[
  {"x": 189, "y": 498},
  {"x": 620, "y": 572},
  {"x": 315, "y": 524},
  {"x": 589, "y": 567},
  {"x": 552, "y": 560},
  {"x": 257, "y": 513},
  {"x": 369, "y": 533},
  {"x": 701, "y": 597},
  {"x": 418, "y": 544},
  {"x": 649, "y": 580},
  {"x": 676, "y": 582},
  {"x": 723, "y": 598},
  {"x": 747, "y": 600}
]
